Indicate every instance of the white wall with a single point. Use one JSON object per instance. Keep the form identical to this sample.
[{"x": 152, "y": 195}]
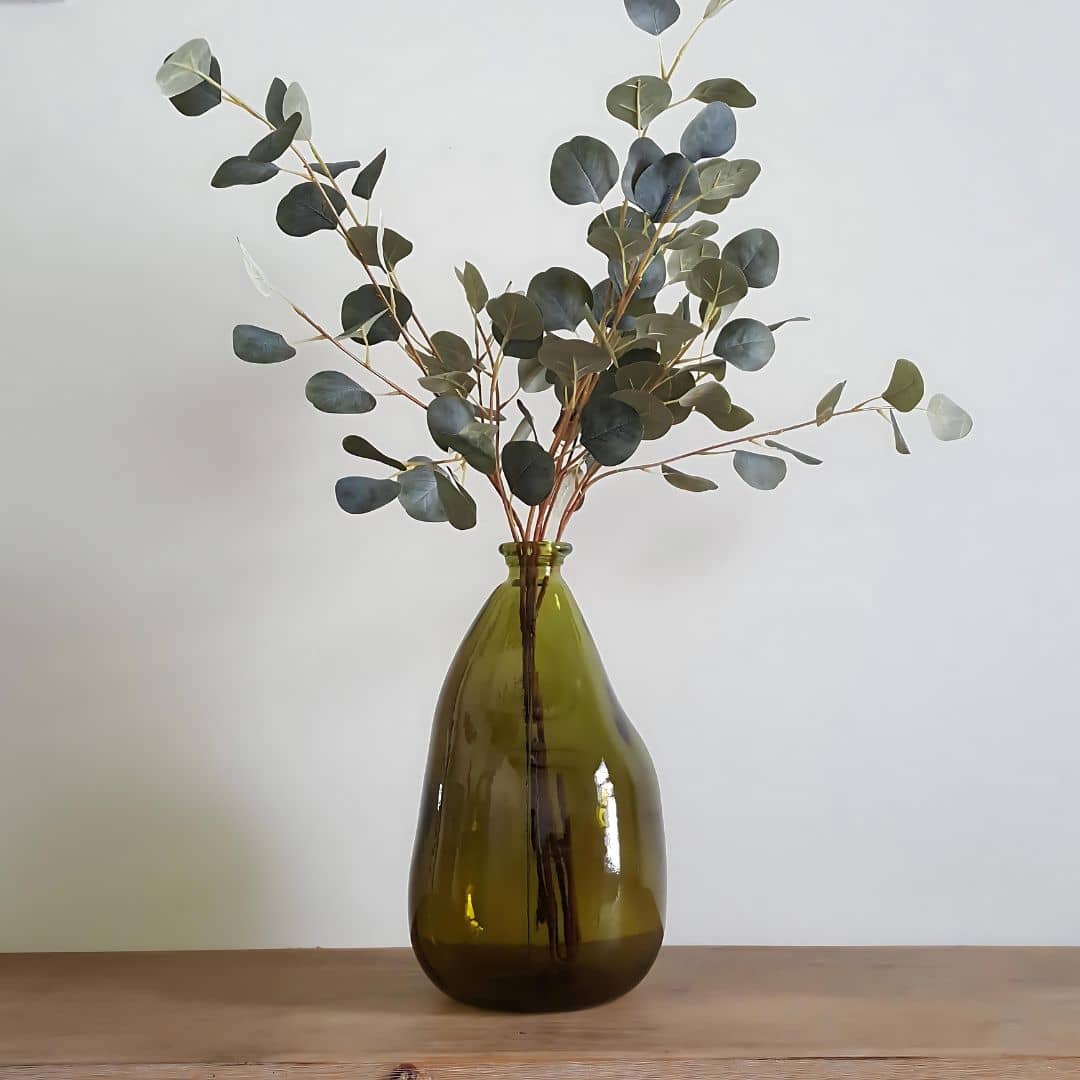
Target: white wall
[{"x": 860, "y": 691}]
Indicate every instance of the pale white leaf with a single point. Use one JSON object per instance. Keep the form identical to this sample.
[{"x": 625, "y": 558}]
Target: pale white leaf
[
  {"x": 185, "y": 68},
  {"x": 255, "y": 272},
  {"x": 296, "y": 101},
  {"x": 948, "y": 421}
]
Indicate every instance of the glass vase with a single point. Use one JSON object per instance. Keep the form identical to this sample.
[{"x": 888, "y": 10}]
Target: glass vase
[{"x": 538, "y": 875}]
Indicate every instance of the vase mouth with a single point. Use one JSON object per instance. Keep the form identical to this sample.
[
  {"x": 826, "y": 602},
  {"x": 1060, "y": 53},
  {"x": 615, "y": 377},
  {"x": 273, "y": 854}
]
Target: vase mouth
[{"x": 544, "y": 552}]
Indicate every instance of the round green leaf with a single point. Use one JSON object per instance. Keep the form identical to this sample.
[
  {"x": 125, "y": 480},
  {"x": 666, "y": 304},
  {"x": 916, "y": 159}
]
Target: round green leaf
[
  {"x": 562, "y": 296},
  {"x": 717, "y": 282},
  {"x": 454, "y": 351},
  {"x": 476, "y": 444},
  {"x": 643, "y": 153},
  {"x": 583, "y": 170},
  {"x": 361, "y": 494},
  {"x": 259, "y": 346},
  {"x": 730, "y": 91},
  {"x": 448, "y": 415},
  {"x": 242, "y": 170},
  {"x": 305, "y": 210},
  {"x": 184, "y": 69},
  {"x": 655, "y": 416},
  {"x": 653, "y": 16},
  {"x": 722, "y": 179},
  {"x": 459, "y": 505},
  {"x": 419, "y": 493},
  {"x": 333, "y": 392},
  {"x": 906, "y": 388},
  {"x": 365, "y": 239},
  {"x": 710, "y": 399},
  {"x": 683, "y": 260},
  {"x": 667, "y": 189},
  {"x": 686, "y": 482},
  {"x": 529, "y": 470},
  {"x": 516, "y": 317},
  {"x": 610, "y": 430},
  {"x": 652, "y": 281},
  {"x": 639, "y": 100},
  {"x": 202, "y": 98},
  {"x": 948, "y": 421},
  {"x": 746, "y": 344},
  {"x": 710, "y": 134},
  {"x": 760, "y": 471},
  {"x": 368, "y": 177},
  {"x": 365, "y": 304},
  {"x": 571, "y": 358},
  {"x": 757, "y": 253}
]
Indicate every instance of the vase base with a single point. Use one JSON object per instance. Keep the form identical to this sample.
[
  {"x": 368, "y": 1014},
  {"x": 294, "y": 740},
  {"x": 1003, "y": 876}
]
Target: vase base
[{"x": 522, "y": 978}]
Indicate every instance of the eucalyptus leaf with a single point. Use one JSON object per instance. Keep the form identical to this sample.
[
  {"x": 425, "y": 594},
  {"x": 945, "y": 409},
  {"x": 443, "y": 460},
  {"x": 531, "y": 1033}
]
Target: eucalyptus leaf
[
  {"x": 735, "y": 420},
  {"x": 259, "y": 346},
  {"x": 334, "y": 168},
  {"x": 667, "y": 190},
  {"x": 184, "y": 69},
  {"x": 459, "y": 505},
  {"x": 202, "y": 98},
  {"x": 448, "y": 415},
  {"x": 571, "y": 358},
  {"x": 448, "y": 382},
  {"x": 711, "y": 133},
  {"x": 583, "y": 170},
  {"x": 683, "y": 260},
  {"x": 454, "y": 352},
  {"x": 624, "y": 217},
  {"x": 610, "y": 430},
  {"x": 710, "y": 399},
  {"x": 619, "y": 243},
  {"x": 365, "y": 239},
  {"x": 655, "y": 416},
  {"x": 309, "y": 208},
  {"x": 516, "y": 317},
  {"x": 784, "y": 322},
  {"x": 272, "y": 146},
  {"x": 948, "y": 422},
  {"x": 361, "y": 448},
  {"x": 827, "y": 405},
  {"x": 686, "y": 482},
  {"x": 717, "y": 282},
  {"x": 643, "y": 153},
  {"x": 692, "y": 235},
  {"x": 906, "y": 388},
  {"x": 798, "y": 455},
  {"x": 714, "y": 8},
  {"x": 653, "y": 16},
  {"x": 333, "y": 392},
  {"x": 242, "y": 170},
  {"x": 898, "y": 436},
  {"x": 362, "y": 495},
  {"x": 652, "y": 281},
  {"x": 295, "y": 101},
  {"x": 671, "y": 332},
  {"x": 533, "y": 376},
  {"x": 368, "y": 177},
  {"x": 729, "y": 91},
  {"x": 562, "y": 296},
  {"x": 476, "y": 292},
  {"x": 639, "y": 100},
  {"x": 716, "y": 368},
  {"x": 519, "y": 348},
  {"x": 746, "y": 344},
  {"x": 757, "y": 253},
  {"x": 255, "y": 272},
  {"x": 528, "y": 419},
  {"x": 529, "y": 470},
  {"x": 760, "y": 471},
  {"x": 638, "y": 374},
  {"x": 722, "y": 179},
  {"x": 476, "y": 444},
  {"x": 368, "y": 303},
  {"x": 419, "y": 495},
  {"x": 275, "y": 102}
]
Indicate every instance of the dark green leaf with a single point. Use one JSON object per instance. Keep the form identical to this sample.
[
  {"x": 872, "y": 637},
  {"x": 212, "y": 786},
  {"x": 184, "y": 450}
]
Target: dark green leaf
[
  {"x": 618, "y": 243},
  {"x": 361, "y": 494},
  {"x": 528, "y": 419},
  {"x": 655, "y": 416},
  {"x": 183, "y": 69},
  {"x": 722, "y": 180},
  {"x": 693, "y": 235},
  {"x": 717, "y": 282},
  {"x": 759, "y": 470},
  {"x": 683, "y": 260},
  {"x": 476, "y": 444},
  {"x": 364, "y": 241},
  {"x": 529, "y": 470},
  {"x": 639, "y": 100},
  {"x": 241, "y": 170},
  {"x": 757, "y": 254},
  {"x": 448, "y": 415},
  {"x": 710, "y": 134},
  {"x": 906, "y": 388},
  {"x": 459, "y": 505},
  {"x": 794, "y": 319},
  {"x": 730, "y": 91},
  {"x": 272, "y": 146},
  {"x": 686, "y": 482},
  {"x": 898, "y": 436},
  {"x": 562, "y": 296},
  {"x": 638, "y": 374},
  {"x": 653, "y": 16},
  {"x": 516, "y": 317},
  {"x": 454, "y": 351},
  {"x": 643, "y": 153},
  {"x": 652, "y": 281},
  {"x": 735, "y": 420},
  {"x": 583, "y": 170},
  {"x": 623, "y": 217},
  {"x": 798, "y": 455},
  {"x": 420, "y": 492},
  {"x": 309, "y": 208},
  {"x": 334, "y": 168},
  {"x": 366, "y": 303},
  {"x": 712, "y": 400},
  {"x": 202, "y": 98},
  {"x": 519, "y": 348},
  {"x": 672, "y": 333},
  {"x": 667, "y": 189},
  {"x": 476, "y": 292},
  {"x": 746, "y": 344},
  {"x": 361, "y": 448},
  {"x": 259, "y": 346},
  {"x": 275, "y": 102},
  {"x": 368, "y": 177},
  {"x": 610, "y": 430},
  {"x": 571, "y": 358},
  {"x": 827, "y": 405},
  {"x": 333, "y": 392},
  {"x": 448, "y": 382}
]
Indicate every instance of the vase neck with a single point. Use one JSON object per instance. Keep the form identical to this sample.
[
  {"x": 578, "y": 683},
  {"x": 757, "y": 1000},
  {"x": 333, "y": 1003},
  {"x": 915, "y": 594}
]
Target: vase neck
[{"x": 545, "y": 555}]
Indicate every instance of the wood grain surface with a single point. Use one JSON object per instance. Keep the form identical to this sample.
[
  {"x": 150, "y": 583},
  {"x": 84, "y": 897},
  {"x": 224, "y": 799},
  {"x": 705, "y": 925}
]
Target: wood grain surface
[{"x": 732, "y": 1014}]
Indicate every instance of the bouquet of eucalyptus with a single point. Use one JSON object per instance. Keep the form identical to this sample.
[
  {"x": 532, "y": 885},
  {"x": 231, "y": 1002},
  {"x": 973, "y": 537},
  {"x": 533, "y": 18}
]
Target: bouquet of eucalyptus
[{"x": 651, "y": 346}]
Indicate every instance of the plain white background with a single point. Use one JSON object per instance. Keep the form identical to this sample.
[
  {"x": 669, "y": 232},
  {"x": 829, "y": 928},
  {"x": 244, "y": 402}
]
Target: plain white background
[{"x": 860, "y": 691}]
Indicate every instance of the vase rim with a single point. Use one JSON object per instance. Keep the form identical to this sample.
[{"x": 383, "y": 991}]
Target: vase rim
[{"x": 547, "y": 552}]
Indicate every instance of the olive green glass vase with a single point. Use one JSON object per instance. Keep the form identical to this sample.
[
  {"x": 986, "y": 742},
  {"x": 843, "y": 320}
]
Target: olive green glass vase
[{"x": 538, "y": 876}]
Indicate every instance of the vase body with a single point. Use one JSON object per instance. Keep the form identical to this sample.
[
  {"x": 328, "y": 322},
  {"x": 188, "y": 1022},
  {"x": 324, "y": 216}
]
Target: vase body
[{"x": 538, "y": 877}]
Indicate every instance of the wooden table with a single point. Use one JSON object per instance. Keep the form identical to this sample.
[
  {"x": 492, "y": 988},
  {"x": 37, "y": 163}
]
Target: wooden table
[{"x": 737, "y": 1014}]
